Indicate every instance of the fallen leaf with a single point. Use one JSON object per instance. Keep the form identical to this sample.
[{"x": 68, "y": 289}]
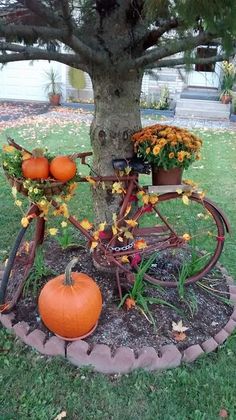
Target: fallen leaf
[
  {"x": 94, "y": 244},
  {"x": 179, "y": 336},
  {"x": 117, "y": 188},
  {"x": 101, "y": 226},
  {"x": 153, "y": 199},
  {"x": 128, "y": 235},
  {"x": 179, "y": 191},
  {"x": 140, "y": 244},
  {"x": 128, "y": 209},
  {"x": 131, "y": 222},
  {"x": 136, "y": 259},
  {"x": 125, "y": 259},
  {"x": 90, "y": 180},
  {"x": 223, "y": 413},
  {"x": 61, "y": 415},
  {"x": 130, "y": 303},
  {"x": 145, "y": 198},
  {"x": 185, "y": 199},
  {"x": 186, "y": 237},
  {"x": 179, "y": 327},
  {"x": 85, "y": 223}
]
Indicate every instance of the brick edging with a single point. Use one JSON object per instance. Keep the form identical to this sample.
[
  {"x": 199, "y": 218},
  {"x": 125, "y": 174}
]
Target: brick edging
[{"x": 124, "y": 360}]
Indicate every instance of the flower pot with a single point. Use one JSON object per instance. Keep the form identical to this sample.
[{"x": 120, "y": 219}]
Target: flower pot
[
  {"x": 225, "y": 99},
  {"x": 55, "y": 100},
  {"x": 161, "y": 176}
]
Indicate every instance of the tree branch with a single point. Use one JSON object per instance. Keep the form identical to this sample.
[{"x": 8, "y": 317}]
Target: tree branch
[
  {"x": 173, "y": 62},
  {"x": 171, "y": 48},
  {"x": 152, "y": 36},
  {"x": 47, "y": 34},
  {"x": 21, "y": 53},
  {"x": 67, "y": 15},
  {"x": 44, "y": 12}
]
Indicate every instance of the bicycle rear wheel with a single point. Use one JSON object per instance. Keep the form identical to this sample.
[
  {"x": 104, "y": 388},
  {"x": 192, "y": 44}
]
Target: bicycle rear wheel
[
  {"x": 183, "y": 242},
  {"x": 20, "y": 261}
]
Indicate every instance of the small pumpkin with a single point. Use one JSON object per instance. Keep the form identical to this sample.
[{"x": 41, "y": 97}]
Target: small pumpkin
[
  {"x": 63, "y": 168},
  {"x": 36, "y": 167},
  {"x": 70, "y": 304}
]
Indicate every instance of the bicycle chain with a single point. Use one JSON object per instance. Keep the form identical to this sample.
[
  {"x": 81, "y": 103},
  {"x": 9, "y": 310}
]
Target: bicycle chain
[{"x": 122, "y": 248}]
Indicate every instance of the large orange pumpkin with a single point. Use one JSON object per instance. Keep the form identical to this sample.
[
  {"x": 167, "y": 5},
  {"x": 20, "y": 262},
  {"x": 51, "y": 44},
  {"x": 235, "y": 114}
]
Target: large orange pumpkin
[
  {"x": 36, "y": 167},
  {"x": 63, "y": 168},
  {"x": 70, "y": 304}
]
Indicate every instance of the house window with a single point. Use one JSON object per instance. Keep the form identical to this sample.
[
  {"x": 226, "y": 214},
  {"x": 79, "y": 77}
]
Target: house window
[{"x": 206, "y": 52}]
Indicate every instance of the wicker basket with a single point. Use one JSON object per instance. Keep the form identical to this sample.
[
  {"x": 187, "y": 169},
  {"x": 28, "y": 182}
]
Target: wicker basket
[{"x": 50, "y": 189}]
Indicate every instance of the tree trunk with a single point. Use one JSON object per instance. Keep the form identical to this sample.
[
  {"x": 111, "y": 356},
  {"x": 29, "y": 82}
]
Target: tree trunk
[{"x": 117, "y": 117}]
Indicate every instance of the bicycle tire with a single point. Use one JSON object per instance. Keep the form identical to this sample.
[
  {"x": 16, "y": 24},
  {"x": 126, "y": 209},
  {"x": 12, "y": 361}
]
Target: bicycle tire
[
  {"x": 150, "y": 235},
  {"x": 19, "y": 263}
]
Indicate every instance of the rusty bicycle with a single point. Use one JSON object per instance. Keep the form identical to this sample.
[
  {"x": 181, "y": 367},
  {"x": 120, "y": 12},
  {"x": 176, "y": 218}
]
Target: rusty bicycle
[{"x": 184, "y": 240}]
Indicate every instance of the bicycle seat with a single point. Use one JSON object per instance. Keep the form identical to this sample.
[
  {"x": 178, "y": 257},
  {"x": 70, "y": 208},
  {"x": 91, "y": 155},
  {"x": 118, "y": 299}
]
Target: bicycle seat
[{"x": 135, "y": 163}]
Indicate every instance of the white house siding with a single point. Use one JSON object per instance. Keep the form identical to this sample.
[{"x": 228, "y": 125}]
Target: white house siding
[
  {"x": 24, "y": 80},
  {"x": 166, "y": 77}
]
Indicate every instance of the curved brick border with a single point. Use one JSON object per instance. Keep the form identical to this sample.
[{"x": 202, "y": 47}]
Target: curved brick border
[{"x": 124, "y": 359}]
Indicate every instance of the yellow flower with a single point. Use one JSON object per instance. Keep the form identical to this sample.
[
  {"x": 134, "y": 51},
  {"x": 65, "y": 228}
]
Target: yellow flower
[
  {"x": 64, "y": 224},
  {"x": 36, "y": 190},
  {"x": 156, "y": 150},
  {"x": 24, "y": 221},
  {"x": 53, "y": 231},
  {"x": 186, "y": 237},
  {"x": 171, "y": 155},
  {"x": 18, "y": 203},
  {"x": 148, "y": 150}
]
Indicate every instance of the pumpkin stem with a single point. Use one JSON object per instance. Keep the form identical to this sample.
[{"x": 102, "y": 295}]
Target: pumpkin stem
[
  {"x": 68, "y": 279},
  {"x": 38, "y": 152}
]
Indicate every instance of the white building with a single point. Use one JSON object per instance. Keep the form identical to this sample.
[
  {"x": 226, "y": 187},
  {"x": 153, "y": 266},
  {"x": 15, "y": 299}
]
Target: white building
[{"x": 26, "y": 81}]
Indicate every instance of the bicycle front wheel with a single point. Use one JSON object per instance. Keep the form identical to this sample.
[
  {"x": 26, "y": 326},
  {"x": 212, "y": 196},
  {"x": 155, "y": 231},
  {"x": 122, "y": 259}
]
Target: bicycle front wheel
[{"x": 181, "y": 241}]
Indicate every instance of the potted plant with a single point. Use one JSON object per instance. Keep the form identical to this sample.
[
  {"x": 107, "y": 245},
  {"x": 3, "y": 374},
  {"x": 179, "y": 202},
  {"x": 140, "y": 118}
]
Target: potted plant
[
  {"x": 168, "y": 149},
  {"x": 228, "y": 80},
  {"x": 53, "y": 87}
]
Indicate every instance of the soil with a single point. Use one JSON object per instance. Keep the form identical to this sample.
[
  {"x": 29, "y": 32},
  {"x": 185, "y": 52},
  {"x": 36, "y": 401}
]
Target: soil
[{"x": 202, "y": 312}]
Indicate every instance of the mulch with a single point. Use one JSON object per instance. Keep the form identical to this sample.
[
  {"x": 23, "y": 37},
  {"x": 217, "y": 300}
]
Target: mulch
[{"x": 203, "y": 313}]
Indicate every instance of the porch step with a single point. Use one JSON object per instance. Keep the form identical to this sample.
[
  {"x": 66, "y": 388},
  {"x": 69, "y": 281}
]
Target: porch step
[
  {"x": 200, "y": 93},
  {"x": 203, "y": 109}
]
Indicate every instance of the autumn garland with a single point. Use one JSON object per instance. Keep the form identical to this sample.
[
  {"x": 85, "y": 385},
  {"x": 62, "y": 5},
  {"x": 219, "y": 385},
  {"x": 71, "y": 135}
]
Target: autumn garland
[
  {"x": 166, "y": 146},
  {"x": 12, "y": 163}
]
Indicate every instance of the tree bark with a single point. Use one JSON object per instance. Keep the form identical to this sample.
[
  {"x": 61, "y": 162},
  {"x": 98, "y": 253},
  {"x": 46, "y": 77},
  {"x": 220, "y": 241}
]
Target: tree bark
[{"x": 117, "y": 117}]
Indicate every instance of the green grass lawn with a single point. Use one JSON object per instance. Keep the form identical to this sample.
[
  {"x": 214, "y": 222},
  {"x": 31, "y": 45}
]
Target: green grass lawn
[{"x": 33, "y": 387}]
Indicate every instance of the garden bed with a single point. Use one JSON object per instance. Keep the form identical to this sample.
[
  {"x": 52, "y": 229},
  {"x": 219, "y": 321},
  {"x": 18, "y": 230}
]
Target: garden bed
[{"x": 203, "y": 313}]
